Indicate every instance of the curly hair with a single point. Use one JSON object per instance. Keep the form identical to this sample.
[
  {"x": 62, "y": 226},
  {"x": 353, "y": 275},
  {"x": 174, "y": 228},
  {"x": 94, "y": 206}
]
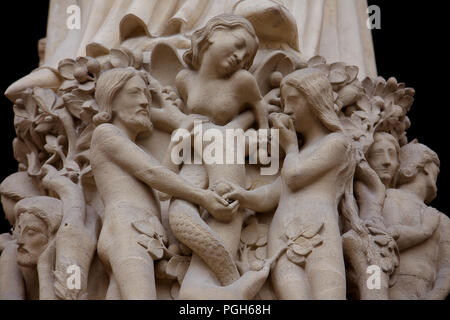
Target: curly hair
[
  {"x": 200, "y": 39},
  {"x": 107, "y": 87},
  {"x": 413, "y": 158},
  {"x": 48, "y": 209}
]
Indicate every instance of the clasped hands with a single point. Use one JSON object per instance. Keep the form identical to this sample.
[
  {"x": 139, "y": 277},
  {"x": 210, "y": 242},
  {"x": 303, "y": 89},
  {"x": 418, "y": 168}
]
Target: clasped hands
[{"x": 224, "y": 199}]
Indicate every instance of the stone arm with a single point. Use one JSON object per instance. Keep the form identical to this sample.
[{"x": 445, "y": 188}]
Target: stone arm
[
  {"x": 331, "y": 154},
  {"x": 249, "y": 89},
  {"x": 263, "y": 199},
  {"x": 369, "y": 191},
  {"x": 76, "y": 239},
  {"x": 119, "y": 149},
  {"x": 169, "y": 117},
  {"x": 11, "y": 279},
  {"x": 441, "y": 287},
  {"x": 410, "y": 236}
]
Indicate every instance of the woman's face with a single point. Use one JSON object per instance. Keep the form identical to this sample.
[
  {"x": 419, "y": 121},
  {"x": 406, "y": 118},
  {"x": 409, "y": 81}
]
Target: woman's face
[
  {"x": 229, "y": 50},
  {"x": 296, "y": 106}
]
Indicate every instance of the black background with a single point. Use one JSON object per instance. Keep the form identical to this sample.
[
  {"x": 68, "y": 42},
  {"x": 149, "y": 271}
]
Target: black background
[{"x": 409, "y": 46}]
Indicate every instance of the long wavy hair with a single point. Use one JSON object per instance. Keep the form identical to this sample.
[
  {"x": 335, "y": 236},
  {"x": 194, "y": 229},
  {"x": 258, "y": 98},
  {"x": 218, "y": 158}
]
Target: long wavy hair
[
  {"x": 317, "y": 89},
  {"x": 107, "y": 87},
  {"x": 200, "y": 40},
  {"x": 49, "y": 210}
]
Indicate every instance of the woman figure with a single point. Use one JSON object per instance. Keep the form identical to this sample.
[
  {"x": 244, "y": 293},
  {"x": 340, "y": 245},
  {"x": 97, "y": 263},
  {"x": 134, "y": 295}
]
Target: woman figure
[
  {"x": 313, "y": 181},
  {"x": 219, "y": 87}
]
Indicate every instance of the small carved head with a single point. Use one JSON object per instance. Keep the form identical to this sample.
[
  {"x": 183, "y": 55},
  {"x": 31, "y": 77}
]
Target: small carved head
[
  {"x": 230, "y": 39},
  {"x": 417, "y": 161},
  {"x": 38, "y": 220},
  {"x": 309, "y": 91},
  {"x": 123, "y": 93},
  {"x": 14, "y": 188},
  {"x": 383, "y": 157}
]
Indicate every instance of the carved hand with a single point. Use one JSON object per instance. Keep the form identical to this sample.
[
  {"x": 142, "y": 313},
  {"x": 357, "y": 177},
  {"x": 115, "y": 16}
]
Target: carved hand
[
  {"x": 369, "y": 191},
  {"x": 218, "y": 207},
  {"x": 288, "y": 134},
  {"x": 273, "y": 100},
  {"x": 230, "y": 191}
]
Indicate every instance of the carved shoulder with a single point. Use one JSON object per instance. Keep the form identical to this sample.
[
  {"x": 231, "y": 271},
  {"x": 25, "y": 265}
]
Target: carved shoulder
[
  {"x": 104, "y": 135},
  {"x": 337, "y": 146},
  {"x": 182, "y": 81},
  {"x": 246, "y": 84}
]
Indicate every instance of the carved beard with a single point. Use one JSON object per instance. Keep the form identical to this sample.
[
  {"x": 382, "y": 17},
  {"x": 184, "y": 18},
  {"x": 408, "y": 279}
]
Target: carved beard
[{"x": 142, "y": 122}]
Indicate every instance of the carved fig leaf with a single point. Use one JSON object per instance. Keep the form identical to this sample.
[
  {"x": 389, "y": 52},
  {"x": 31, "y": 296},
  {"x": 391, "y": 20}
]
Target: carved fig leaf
[
  {"x": 312, "y": 229},
  {"x": 295, "y": 258},
  {"x": 151, "y": 227},
  {"x": 155, "y": 249},
  {"x": 302, "y": 250},
  {"x": 294, "y": 229},
  {"x": 250, "y": 235},
  {"x": 338, "y": 74},
  {"x": 261, "y": 253},
  {"x": 74, "y": 101},
  {"x": 66, "y": 68},
  {"x": 46, "y": 100},
  {"x": 257, "y": 265},
  {"x": 177, "y": 267},
  {"x": 53, "y": 145}
]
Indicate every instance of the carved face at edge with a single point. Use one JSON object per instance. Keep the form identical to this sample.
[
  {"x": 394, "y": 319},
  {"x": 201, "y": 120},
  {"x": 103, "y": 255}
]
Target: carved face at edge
[
  {"x": 131, "y": 105},
  {"x": 296, "y": 106},
  {"x": 383, "y": 158},
  {"x": 32, "y": 239},
  {"x": 229, "y": 50},
  {"x": 431, "y": 172}
]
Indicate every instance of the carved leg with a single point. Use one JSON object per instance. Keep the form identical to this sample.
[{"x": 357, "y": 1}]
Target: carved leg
[
  {"x": 326, "y": 269},
  {"x": 113, "y": 292},
  {"x": 290, "y": 281},
  {"x": 131, "y": 265}
]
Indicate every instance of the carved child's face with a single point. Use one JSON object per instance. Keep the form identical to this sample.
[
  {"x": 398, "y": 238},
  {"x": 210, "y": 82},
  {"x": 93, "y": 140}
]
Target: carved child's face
[
  {"x": 431, "y": 172},
  {"x": 383, "y": 158},
  {"x": 32, "y": 239},
  {"x": 296, "y": 106},
  {"x": 229, "y": 49},
  {"x": 131, "y": 105}
]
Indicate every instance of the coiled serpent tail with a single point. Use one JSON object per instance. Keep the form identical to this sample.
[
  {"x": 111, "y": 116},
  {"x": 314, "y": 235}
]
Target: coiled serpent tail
[{"x": 189, "y": 228}]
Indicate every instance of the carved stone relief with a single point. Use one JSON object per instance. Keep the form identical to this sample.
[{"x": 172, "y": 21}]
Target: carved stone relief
[{"x": 185, "y": 150}]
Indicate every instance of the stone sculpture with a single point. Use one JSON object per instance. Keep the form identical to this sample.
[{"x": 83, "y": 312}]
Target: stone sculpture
[{"x": 126, "y": 188}]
